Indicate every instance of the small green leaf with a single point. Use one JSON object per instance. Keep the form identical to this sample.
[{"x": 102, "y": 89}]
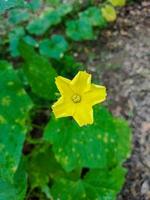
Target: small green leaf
[
  {"x": 30, "y": 40},
  {"x": 79, "y": 30},
  {"x": 41, "y": 24},
  {"x": 14, "y": 37},
  {"x": 18, "y": 15},
  {"x": 94, "y": 16},
  {"x": 93, "y": 146},
  {"x": 53, "y": 48},
  {"x": 64, "y": 9},
  {"x": 6, "y": 4},
  {"x": 14, "y": 111},
  {"x": 67, "y": 66},
  {"x": 34, "y": 4},
  {"x": 39, "y": 72}
]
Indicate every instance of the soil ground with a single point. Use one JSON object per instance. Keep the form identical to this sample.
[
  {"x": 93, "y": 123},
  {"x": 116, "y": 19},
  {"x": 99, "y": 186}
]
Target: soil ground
[{"x": 120, "y": 59}]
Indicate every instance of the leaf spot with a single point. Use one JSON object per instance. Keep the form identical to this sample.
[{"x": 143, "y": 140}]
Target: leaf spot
[
  {"x": 10, "y": 83},
  {"x": 112, "y": 140},
  {"x": 5, "y": 101},
  {"x": 106, "y": 139},
  {"x": 99, "y": 136},
  {"x": 2, "y": 120},
  {"x": 21, "y": 92}
]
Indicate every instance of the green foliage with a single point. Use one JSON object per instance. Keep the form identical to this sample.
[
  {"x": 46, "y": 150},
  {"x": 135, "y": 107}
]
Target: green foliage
[
  {"x": 82, "y": 28},
  {"x": 79, "y": 30},
  {"x": 34, "y": 5},
  {"x": 96, "y": 146},
  {"x": 41, "y": 24},
  {"x": 42, "y": 166},
  {"x": 53, "y": 48},
  {"x": 16, "y": 189},
  {"x": 39, "y": 72},
  {"x": 17, "y": 16},
  {"x": 4, "y": 4},
  {"x": 97, "y": 184},
  {"x": 14, "y": 37},
  {"x": 67, "y": 66},
  {"x": 14, "y": 107},
  {"x": 47, "y": 19},
  {"x": 94, "y": 16}
]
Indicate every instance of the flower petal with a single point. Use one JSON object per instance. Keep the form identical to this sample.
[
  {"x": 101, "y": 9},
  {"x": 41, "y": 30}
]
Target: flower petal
[
  {"x": 81, "y": 82},
  {"x": 96, "y": 94},
  {"x": 83, "y": 115},
  {"x": 63, "y": 85},
  {"x": 63, "y": 108}
]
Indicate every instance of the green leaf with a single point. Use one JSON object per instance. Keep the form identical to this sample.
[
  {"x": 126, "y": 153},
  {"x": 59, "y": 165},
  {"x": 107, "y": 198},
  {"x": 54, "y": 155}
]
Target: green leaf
[
  {"x": 42, "y": 167},
  {"x": 106, "y": 184},
  {"x": 14, "y": 112},
  {"x": 97, "y": 184},
  {"x": 67, "y": 66},
  {"x": 34, "y": 4},
  {"x": 41, "y": 24},
  {"x": 64, "y": 9},
  {"x": 39, "y": 72},
  {"x": 94, "y": 16},
  {"x": 68, "y": 190},
  {"x": 53, "y": 3},
  {"x": 54, "y": 48},
  {"x": 18, "y": 15},
  {"x": 30, "y": 40},
  {"x": 16, "y": 189},
  {"x": 93, "y": 146},
  {"x": 6, "y": 4},
  {"x": 124, "y": 145},
  {"x": 79, "y": 30},
  {"x": 14, "y": 37}
]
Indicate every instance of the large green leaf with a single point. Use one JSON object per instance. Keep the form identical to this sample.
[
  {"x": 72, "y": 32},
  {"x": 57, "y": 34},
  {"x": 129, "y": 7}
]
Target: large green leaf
[
  {"x": 39, "y": 72},
  {"x": 14, "y": 110},
  {"x": 94, "y": 16},
  {"x": 97, "y": 184},
  {"x": 79, "y": 30},
  {"x": 16, "y": 189},
  {"x": 101, "y": 145},
  {"x": 6, "y": 4},
  {"x": 53, "y": 48}
]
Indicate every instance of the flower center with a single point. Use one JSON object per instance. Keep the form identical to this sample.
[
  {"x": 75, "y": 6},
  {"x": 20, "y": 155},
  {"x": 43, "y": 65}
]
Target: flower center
[{"x": 76, "y": 98}]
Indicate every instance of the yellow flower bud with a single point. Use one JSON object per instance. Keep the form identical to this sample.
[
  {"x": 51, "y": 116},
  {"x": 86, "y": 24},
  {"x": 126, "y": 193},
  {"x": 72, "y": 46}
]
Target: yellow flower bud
[
  {"x": 117, "y": 2},
  {"x": 109, "y": 13}
]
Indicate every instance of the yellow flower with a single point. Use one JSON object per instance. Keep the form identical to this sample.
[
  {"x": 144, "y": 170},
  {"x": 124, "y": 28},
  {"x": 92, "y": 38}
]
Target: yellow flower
[
  {"x": 109, "y": 13},
  {"x": 77, "y": 98},
  {"x": 117, "y": 2}
]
